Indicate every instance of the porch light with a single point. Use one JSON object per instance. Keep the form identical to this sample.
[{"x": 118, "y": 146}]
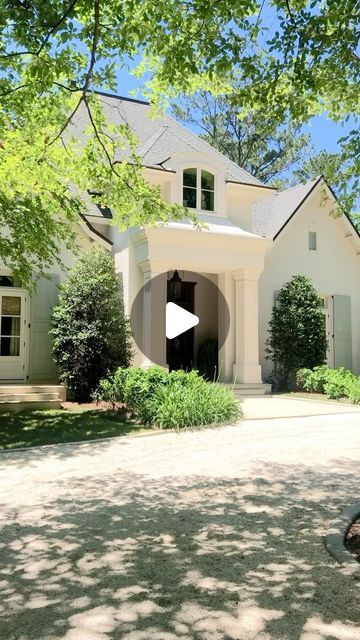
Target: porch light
[{"x": 175, "y": 285}]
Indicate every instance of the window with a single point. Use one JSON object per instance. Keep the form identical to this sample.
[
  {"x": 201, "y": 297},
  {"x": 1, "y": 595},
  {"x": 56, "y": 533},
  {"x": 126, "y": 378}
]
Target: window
[
  {"x": 10, "y": 326},
  {"x": 9, "y": 281},
  {"x": 198, "y": 189},
  {"x": 190, "y": 188},
  {"x": 312, "y": 241}
]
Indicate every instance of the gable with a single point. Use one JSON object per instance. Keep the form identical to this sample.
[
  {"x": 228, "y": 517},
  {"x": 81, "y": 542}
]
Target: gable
[
  {"x": 272, "y": 215},
  {"x": 336, "y": 238}
]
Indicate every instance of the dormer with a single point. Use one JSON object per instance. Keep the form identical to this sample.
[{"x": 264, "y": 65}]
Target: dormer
[{"x": 199, "y": 183}]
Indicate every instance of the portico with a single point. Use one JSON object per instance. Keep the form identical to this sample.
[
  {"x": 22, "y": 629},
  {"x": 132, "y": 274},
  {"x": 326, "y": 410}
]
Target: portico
[{"x": 233, "y": 260}]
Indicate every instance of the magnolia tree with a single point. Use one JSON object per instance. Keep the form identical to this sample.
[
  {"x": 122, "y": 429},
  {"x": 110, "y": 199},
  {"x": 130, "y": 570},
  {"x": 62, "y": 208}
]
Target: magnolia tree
[
  {"x": 91, "y": 336},
  {"x": 286, "y": 59},
  {"x": 297, "y": 336}
]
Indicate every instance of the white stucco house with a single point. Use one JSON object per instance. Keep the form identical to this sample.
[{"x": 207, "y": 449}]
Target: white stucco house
[{"x": 256, "y": 239}]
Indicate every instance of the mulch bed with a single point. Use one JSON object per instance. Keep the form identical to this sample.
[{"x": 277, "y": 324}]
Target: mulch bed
[
  {"x": 352, "y": 540},
  {"x": 93, "y": 406}
]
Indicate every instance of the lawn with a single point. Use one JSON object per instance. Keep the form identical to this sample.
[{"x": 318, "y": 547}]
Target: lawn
[{"x": 33, "y": 428}]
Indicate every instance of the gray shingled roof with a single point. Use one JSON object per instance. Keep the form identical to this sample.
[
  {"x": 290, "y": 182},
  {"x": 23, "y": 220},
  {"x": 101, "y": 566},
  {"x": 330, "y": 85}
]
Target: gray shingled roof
[
  {"x": 163, "y": 137},
  {"x": 160, "y": 138},
  {"x": 270, "y": 215}
]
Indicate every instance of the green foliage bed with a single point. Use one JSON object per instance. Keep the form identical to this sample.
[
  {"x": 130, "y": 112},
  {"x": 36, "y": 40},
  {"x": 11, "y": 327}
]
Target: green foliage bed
[
  {"x": 334, "y": 383},
  {"x": 170, "y": 400}
]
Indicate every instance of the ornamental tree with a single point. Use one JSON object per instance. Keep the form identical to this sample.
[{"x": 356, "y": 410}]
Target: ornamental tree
[
  {"x": 297, "y": 336},
  {"x": 91, "y": 336},
  {"x": 53, "y": 53}
]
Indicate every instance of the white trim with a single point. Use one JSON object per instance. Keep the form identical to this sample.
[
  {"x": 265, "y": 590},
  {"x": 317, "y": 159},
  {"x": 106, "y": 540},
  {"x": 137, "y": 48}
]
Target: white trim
[
  {"x": 198, "y": 189},
  {"x": 24, "y": 330},
  {"x": 200, "y": 161}
]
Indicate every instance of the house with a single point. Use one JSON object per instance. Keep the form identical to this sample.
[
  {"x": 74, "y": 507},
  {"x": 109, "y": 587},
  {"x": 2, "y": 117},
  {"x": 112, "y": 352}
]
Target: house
[{"x": 255, "y": 239}]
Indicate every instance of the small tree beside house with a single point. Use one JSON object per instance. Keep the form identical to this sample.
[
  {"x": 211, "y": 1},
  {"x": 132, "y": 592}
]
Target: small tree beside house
[
  {"x": 297, "y": 336},
  {"x": 91, "y": 336}
]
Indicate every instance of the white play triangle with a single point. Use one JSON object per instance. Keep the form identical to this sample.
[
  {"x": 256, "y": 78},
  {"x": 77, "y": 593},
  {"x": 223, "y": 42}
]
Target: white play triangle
[{"x": 178, "y": 320}]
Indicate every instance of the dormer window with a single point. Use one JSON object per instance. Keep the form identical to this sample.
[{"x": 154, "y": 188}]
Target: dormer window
[{"x": 198, "y": 189}]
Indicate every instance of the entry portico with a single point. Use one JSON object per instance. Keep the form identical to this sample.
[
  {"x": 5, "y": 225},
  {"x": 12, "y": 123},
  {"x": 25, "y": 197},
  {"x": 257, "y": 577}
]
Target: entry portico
[{"x": 221, "y": 251}]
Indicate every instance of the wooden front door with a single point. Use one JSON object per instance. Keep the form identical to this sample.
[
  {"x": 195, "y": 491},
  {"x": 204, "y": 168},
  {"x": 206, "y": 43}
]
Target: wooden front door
[{"x": 180, "y": 350}]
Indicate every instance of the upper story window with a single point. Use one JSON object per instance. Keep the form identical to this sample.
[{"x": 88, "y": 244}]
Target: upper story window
[
  {"x": 198, "y": 189},
  {"x": 312, "y": 241}
]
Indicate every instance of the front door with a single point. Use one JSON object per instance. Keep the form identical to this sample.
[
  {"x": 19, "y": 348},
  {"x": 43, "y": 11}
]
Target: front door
[
  {"x": 180, "y": 350},
  {"x": 12, "y": 334}
]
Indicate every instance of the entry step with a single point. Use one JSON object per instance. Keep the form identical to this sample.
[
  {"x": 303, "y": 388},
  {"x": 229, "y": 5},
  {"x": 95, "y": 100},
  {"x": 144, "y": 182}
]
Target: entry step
[
  {"x": 247, "y": 390},
  {"x": 20, "y": 397}
]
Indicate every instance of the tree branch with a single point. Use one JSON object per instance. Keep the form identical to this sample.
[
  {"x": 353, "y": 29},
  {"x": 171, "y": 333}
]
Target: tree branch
[
  {"x": 290, "y": 13},
  {"x": 89, "y": 73},
  {"x": 20, "y": 86},
  {"x": 55, "y": 26}
]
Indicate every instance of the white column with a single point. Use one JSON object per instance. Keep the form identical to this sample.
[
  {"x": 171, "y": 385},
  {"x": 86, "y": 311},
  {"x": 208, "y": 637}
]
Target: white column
[
  {"x": 247, "y": 368},
  {"x": 154, "y": 303},
  {"x": 227, "y": 351}
]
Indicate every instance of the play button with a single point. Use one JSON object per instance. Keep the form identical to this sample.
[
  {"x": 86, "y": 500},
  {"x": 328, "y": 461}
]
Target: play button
[{"x": 178, "y": 320}]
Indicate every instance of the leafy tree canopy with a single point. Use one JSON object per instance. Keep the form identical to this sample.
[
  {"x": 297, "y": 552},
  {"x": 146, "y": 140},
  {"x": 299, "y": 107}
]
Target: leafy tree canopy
[
  {"x": 301, "y": 61},
  {"x": 338, "y": 173},
  {"x": 260, "y": 145}
]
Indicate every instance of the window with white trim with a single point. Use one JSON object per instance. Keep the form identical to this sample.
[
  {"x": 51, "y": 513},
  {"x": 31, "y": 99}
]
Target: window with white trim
[
  {"x": 198, "y": 189},
  {"x": 312, "y": 241}
]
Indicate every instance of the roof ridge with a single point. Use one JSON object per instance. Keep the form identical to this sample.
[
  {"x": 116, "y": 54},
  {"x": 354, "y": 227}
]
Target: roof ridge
[
  {"x": 300, "y": 184},
  {"x": 151, "y": 140},
  {"x": 115, "y": 95}
]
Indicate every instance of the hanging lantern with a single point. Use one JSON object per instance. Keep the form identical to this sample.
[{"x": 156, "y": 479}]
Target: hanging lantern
[{"x": 175, "y": 286}]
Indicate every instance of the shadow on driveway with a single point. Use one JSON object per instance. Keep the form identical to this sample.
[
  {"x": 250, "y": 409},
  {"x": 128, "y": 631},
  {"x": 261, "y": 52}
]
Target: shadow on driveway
[{"x": 130, "y": 557}]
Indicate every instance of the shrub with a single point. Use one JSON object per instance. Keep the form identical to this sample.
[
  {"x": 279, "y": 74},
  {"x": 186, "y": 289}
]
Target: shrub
[
  {"x": 170, "y": 400},
  {"x": 301, "y": 377},
  {"x": 313, "y": 380},
  {"x": 353, "y": 391},
  {"x": 296, "y": 330},
  {"x": 91, "y": 336},
  {"x": 335, "y": 383}
]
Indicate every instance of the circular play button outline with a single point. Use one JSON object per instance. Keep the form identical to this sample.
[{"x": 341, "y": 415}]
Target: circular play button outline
[{"x": 150, "y": 309}]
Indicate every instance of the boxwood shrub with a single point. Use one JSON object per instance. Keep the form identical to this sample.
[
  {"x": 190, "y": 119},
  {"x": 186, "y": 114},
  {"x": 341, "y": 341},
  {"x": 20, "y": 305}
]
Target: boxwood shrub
[{"x": 170, "y": 400}]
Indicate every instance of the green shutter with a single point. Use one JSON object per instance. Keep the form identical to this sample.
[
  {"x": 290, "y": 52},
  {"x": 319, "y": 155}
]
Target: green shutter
[
  {"x": 342, "y": 331},
  {"x": 41, "y": 364}
]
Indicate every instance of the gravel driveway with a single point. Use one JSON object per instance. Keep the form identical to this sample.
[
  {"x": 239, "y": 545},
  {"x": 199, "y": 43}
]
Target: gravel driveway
[{"x": 207, "y": 535}]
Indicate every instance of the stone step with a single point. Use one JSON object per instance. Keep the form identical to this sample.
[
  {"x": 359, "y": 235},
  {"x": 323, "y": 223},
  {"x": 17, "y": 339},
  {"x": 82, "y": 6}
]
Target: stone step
[
  {"x": 15, "y": 405},
  {"x": 16, "y": 389},
  {"x": 247, "y": 390},
  {"x": 28, "y": 397}
]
